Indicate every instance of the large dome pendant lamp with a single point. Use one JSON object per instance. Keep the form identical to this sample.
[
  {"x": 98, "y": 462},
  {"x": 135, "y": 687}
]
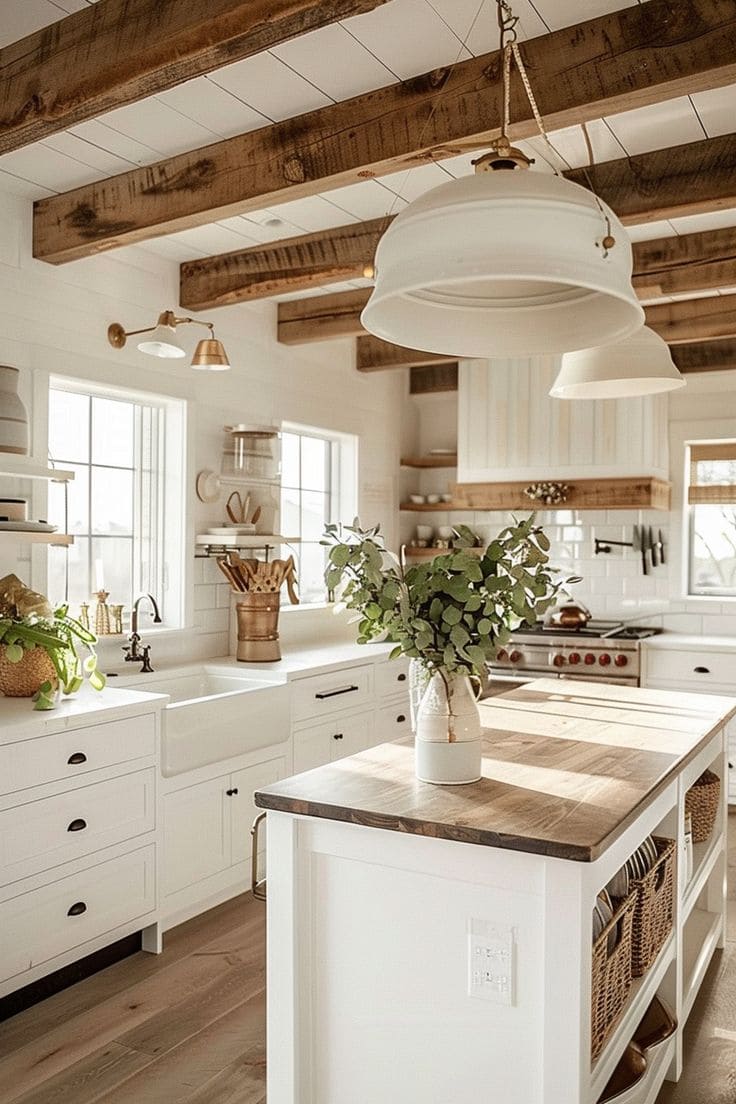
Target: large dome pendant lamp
[
  {"x": 639, "y": 365},
  {"x": 507, "y": 262}
]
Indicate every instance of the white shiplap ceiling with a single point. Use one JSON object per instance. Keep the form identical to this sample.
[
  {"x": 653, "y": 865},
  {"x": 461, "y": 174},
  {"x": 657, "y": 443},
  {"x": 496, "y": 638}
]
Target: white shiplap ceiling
[{"x": 396, "y": 41}]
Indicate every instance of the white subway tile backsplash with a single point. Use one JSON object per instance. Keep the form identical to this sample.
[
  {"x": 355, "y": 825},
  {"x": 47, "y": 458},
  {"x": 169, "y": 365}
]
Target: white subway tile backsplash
[
  {"x": 205, "y": 596},
  {"x": 224, "y": 594},
  {"x": 721, "y": 624},
  {"x": 213, "y": 620},
  {"x": 683, "y": 622}
]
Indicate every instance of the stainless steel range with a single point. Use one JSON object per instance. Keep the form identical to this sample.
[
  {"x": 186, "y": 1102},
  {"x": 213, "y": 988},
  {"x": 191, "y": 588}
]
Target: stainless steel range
[{"x": 604, "y": 650}]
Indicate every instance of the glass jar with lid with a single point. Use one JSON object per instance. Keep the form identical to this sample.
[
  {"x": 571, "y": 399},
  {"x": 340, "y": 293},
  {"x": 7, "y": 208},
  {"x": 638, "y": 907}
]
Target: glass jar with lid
[{"x": 251, "y": 452}]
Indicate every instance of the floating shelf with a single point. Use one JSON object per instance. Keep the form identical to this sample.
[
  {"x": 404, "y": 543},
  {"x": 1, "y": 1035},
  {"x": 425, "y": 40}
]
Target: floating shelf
[
  {"x": 62, "y": 539},
  {"x": 22, "y": 467},
  {"x": 434, "y": 507},
  {"x": 430, "y": 553},
  {"x": 210, "y": 545},
  {"x": 448, "y": 460},
  {"x": 627, "y": 493}
]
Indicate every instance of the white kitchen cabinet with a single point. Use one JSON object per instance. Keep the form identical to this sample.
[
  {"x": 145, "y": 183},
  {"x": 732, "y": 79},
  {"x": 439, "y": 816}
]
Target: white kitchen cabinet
[
  {"x": 243, "y": 810},
  {"x": 393, "y": 722},
  {"x": 196, "y": 834},
  {"x": 323, "y": 695},
  {"x": 333, "y": 739}
]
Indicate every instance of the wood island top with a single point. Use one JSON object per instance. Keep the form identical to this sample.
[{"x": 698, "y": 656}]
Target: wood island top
[{"x": 567, "y": 766}]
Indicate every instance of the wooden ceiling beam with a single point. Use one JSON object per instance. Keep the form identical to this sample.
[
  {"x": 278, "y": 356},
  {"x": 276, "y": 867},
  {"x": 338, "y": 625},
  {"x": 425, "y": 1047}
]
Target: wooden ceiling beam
[
  {"x": 667, "y": 266},
  {"x": 626, "y": 59},
  {"x": 690, "y": 320},
  {"x": 119, "y": 51},
  {"x": 705, "y": 356},
  {"x": 331, "y": 316},
  {"x": 374, "y": 355}
]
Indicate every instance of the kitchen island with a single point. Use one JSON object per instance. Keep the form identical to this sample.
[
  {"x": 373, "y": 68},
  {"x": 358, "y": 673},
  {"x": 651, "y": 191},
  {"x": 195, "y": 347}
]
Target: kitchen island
[{"x": 433, "y": 944}]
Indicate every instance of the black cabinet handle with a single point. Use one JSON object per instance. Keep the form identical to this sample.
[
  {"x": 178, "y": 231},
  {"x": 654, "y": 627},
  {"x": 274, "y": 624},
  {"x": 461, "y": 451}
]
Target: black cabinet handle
[
  {"x": 401, "y": 678},
  {"x": 400, "y": 719},
  {"x": 337, "y": 736},
  {"x": 233, "y": 792},
  {"x": 335, "y": 693},
  {"x": 77, "y": 909},
  {"x": 77, "y": 825},
  {"x": 701, "y": 670},
  {"x": 76, "y": 758}
]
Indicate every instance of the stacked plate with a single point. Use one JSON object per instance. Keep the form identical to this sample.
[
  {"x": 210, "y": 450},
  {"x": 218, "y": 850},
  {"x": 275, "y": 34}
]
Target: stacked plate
[{"x": 636, "y": 867}]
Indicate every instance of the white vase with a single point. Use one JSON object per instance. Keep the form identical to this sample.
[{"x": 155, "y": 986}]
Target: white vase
[
  {"x": 13, "y": 417},
  {"x": 448, "y": 732}
]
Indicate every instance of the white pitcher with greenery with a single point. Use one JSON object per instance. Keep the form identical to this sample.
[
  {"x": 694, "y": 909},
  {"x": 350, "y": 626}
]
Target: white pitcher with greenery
[{"x": 450, "y": 615}]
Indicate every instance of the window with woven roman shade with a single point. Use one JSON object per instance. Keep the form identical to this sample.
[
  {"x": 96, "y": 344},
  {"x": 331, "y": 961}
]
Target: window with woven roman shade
[{"x": 711, "y": 503}]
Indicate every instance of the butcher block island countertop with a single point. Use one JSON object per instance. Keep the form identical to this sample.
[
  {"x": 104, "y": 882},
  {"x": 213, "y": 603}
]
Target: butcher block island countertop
[{"x": 567, "y": 766}]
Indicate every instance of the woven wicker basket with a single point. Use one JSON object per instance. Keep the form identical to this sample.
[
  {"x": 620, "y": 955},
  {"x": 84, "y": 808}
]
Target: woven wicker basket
[
  {"x": 655, "y": 895},
  {"x": 611, "y": 974},
  {"x": 23, "y": 679},
  {"x": 701, "y": 802}
]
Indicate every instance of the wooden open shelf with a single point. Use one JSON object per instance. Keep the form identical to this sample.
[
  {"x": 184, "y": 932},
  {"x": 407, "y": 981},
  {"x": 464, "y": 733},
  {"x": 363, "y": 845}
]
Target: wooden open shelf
[
  {"x": 447, "y": 460},
  {"x": 433, "y": 507},
  {"x": 628, "y": 493}
]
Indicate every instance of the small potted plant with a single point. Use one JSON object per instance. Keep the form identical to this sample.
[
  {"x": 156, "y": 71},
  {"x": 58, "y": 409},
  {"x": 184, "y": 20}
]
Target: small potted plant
[
  {"x": 450, "y": 615},
  {"x": 38, "y": 647}
]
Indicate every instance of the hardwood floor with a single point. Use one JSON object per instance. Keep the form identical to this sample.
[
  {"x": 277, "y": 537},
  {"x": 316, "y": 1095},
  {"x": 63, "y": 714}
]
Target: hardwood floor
[{"x": 188, "y": 1026}]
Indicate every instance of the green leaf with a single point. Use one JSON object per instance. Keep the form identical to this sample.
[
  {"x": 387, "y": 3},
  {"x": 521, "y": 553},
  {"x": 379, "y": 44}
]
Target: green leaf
[
  {"x": 459, "y": 636},
  {"x": 14, "y": 653},
  {"x": 451, "y": 615},
  {"x": 484, "y": 626},
  {"x": 97, "y": 680},
  {"x": 339, "y": 555}
]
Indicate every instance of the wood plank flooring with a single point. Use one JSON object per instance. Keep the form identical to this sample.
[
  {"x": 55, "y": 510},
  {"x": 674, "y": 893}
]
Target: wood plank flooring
[{"x": 188, "y": 1026}]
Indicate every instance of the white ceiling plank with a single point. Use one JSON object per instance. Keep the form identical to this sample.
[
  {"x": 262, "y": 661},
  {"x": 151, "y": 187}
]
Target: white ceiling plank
[
  {"x": 40, "y": 164},
  {"x": 335, "y": 62},
  {"x": 172, "y": 250},
  {"x": 407, "y": 36},
  {"x": 71, "y": 145},
  {"x": 21, "y": 19},
  {"x": 69, "y": 6},
  {"x": 409, "y": 184},
  {"x": 214, "y": 238},
  {"x": 213, "y": 107},
  {"x": 16, "y": 185},
  {"x": 155, "y": 124},
  {"x": 267, "y": 226},
  {"x": 649, "y": 231},
  {"x": 717, "y": 109},
  {"x": 658, "y": 126},
  {"x": 563, "y": 13},
  {"x": 120, "y": 145},
  {"x": 477, "y": 26},
  {"x": 709, "y": 220},
  {"x": 270, "y": 87},
  {"x": 313, "y": 213},
  {"x": 367, "y": 200}
]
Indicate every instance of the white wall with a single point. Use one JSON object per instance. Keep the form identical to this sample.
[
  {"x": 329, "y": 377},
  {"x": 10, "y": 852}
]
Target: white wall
[{"x": 54, "y": 320}]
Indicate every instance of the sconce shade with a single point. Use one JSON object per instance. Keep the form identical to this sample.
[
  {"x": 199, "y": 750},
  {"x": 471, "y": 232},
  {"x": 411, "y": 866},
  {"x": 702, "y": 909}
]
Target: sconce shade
[
  {"x": 210, "y": 356},
  {"x": 503, "y": 263},
  {"x": 640, "y": 365},
  {"x": 162, "y": 342}
]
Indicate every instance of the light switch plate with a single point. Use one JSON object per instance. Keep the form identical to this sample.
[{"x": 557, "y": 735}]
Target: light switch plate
[{"x": 491, "y": 961}]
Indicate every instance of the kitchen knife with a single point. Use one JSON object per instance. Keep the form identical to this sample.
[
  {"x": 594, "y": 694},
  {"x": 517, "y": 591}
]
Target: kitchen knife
[
  {"x": 639, "y": 545},
  {"x": 653, "y": 547},
  {"x": 661, "y": 547}
]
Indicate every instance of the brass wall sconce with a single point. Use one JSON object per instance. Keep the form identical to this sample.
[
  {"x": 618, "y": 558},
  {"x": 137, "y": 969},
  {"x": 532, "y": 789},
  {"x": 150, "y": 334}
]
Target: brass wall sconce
[{"x": 209, "y": 354}]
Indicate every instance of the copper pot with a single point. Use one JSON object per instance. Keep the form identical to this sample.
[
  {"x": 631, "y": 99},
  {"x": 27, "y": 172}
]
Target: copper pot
[{"x": 570, "y": 615}]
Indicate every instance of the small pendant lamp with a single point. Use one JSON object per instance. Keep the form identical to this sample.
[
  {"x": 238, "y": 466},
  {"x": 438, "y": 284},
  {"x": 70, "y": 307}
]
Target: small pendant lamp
[
  {"x": 504, "y": 263},
  {"x": 640, "y": 365},
  {"x": 163, "y": 342}
]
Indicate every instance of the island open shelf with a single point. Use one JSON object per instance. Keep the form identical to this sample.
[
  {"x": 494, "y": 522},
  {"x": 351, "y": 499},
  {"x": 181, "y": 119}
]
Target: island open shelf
[{"x": 379, "y": 888}]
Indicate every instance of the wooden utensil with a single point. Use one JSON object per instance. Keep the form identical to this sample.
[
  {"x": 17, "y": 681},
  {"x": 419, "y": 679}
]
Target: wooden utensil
[
  {"x": 256, "y": 515},
  {"x": 237, "y": 508}
]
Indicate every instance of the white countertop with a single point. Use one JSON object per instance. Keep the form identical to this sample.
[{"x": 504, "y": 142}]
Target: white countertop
[
  {"x": 688, "y": 643},
  {"x": 19, "y": 720}
]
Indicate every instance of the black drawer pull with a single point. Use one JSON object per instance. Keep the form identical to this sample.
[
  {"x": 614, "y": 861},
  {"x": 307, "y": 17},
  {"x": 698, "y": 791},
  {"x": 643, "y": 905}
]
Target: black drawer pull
[
  {"x": 334, "y": 693},
  {"x": 701, "y": 670},
  {"x": 338, "y": 736},
  {"x": 77, "y": 825},
  {"x": 401, "y": 678},
  {"x": 77, "y": 909},
  {"x": 233, "y": 792},
  {"x": 400, "y": 719},
  {"x": 76, "y": 758}
]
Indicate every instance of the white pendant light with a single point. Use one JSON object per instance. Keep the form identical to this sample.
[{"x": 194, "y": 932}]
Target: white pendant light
[
  {"x": 163, "y": 342},
  {"x": 502, "y": 264},
  {"x": 506, "y": 263},
  {"x": 640, "y": 365}
]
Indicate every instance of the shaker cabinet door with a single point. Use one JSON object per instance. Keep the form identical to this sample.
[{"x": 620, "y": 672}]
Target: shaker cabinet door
[{"x": 197, "y": 833}]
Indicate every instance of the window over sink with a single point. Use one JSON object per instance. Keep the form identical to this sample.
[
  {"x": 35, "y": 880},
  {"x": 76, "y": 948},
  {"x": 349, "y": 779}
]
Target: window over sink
[
  {"x": 711, "y": 506},
  {"x": 125, "y": 505}
]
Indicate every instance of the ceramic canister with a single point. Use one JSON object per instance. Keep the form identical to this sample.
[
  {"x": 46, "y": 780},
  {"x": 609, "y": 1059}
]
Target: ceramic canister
[{"x": 13, "y": 417}]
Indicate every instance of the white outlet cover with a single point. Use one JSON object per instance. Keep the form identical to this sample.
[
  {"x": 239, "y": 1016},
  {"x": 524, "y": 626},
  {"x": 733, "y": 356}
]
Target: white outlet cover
[{"x": 491, "y": 961}]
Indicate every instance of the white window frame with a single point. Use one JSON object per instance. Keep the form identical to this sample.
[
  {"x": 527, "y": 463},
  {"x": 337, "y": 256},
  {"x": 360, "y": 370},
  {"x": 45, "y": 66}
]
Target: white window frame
[
  {"x": 175, "y": 599},
  {"x": 343, "y": 478}
]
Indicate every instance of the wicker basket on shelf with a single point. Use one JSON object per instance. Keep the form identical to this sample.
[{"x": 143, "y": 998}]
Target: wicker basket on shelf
[
  {"x": 653, "y": 915},
  {"x": 611, "y": 973},
  {"x": 701, "y": 802}
]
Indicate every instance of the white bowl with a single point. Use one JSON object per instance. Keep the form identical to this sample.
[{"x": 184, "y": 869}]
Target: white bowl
[
  {"x": 433, "y": 499},
  {"x": 418, "y": 500}
]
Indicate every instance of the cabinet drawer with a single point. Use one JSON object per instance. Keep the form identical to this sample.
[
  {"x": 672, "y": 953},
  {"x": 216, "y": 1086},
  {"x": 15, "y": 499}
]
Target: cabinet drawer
[
  {"x": 323, "y": 695},
  {"x": 54, "y": 830},
  {"x": 73, "y": 753},
  {"x": 392, "y": 677},
  {"x": 394, "y": 722},
  {"x": 692, "y": 670},
  {"x": 48, "y": 921},
  {"x": 320, "y": 744}
]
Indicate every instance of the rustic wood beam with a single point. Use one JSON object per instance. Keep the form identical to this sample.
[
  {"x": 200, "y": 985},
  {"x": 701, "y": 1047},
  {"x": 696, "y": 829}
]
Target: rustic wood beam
[
  {"x": 625, "y": 59},
  {"x": 663, "y": 267},
  {"x": 682, "y": 180},
  {"x": 118, "y": 51},
  {"x": 294, "y": 264},
  {"x": 694, "y": 319},
  {"x": 706, "y": 356},
  {"x": 336, "y": 315},
  {"x": 374, "y": 355},
  {"x": 689, "y": 262},
  {"x": 433, "y": 378}
]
